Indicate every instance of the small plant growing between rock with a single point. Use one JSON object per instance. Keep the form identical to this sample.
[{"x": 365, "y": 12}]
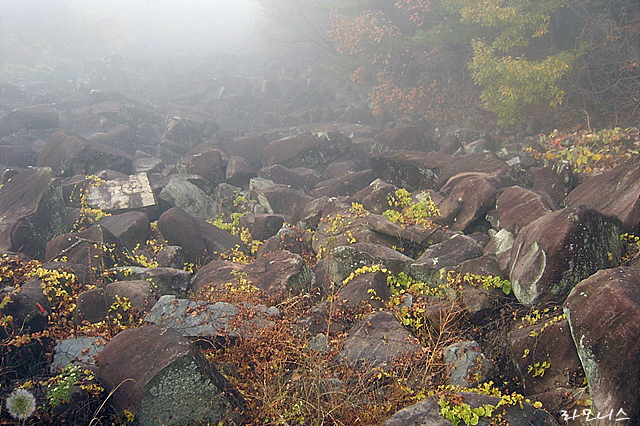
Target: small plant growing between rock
[
  {"x": 488, "y": 281},
  {"x": 405, "y": 211},
  {"x": 60, "y": 386}
]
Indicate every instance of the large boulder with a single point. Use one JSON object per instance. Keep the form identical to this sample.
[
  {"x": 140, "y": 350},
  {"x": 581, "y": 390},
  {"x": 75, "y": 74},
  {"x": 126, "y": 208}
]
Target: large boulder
[
  {"x": 32, "y": 211},
  {"x": 199, "y": 239},
  {"x": 376, "y": 340},
  {"x": 68, "y": 154},
  {"x": 121, "y": 195},
  {"x": 314, "y": 151},
  {"x": 161, "y": 377},
  {"x": 412, "y": 170},
  {"x": 603, "y": 312},
  {"x": 517, "y": 207},
  {"x": 552, "y": 254},
  {"x": 28, "y": 119},
  {"x": 179, "y": 192},
  {"x": 616, "y": 192}
]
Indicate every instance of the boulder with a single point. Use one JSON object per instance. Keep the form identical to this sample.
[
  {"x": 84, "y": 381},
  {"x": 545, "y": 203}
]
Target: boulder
[
  {"x": 262, "y": 226},
  {"x": 483, "y": 162},
  {"x": 466, "y": 364},
  {"x": 279, "y": 274},
  {"x": 616, "y": 192},
  {"x": 368, "y": 288},
  {"x": 178, "y": 387},
  {"x": 79, "y": 351},
  {"x": 313, "y": 151},
  {"x": 406, "y": 138},
  {"x": 297, "y": 178},
  {"x": 346, "y": 259},
  {"x": 91, "y": 306},
  {"x": 544, "y": 354},
  {"x": 199, "y": 239},
  {"x": 469, "y": 197},
  {"x": 131, "y": 228},
  {"x": 375, "y": 340},
  {"x": 346, "y": 185},
  {"x": 448, "y": 254},
  {"x": 31, "y": 211},
  {"x": 163, "y": 280},
  {"x": 412, "y": 170},
  {"x": 209, "y": 164},
  {"x": 210, "y": 320},
  {"x": 27, "y": 119},
  {"x": 139, "y": 293},
  {"x": 120, "y": 195},
  {"x": 68, "y": 154},
  {"x": 517, "y": 207},
  {"x": 17, "y": 156},
  {"x": 427, "y": 412},
  {"x": 552, "y": 254},
  {"x": 603, "y": 312},
  {"x": 285, "y": 201},
  {"x": 181, "y": 193},
  {"x": 239, "y": 172}
]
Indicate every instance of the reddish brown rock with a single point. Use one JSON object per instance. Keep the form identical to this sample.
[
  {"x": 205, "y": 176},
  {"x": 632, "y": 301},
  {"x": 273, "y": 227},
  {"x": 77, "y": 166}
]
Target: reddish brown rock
[
  {"x": 603, "y": 312},
  {"x": 616, "y": 192},
  {"x": 552, "y": 254},
  {"x": 412, "y": 170},
  {"x": 517, "y": 207}
]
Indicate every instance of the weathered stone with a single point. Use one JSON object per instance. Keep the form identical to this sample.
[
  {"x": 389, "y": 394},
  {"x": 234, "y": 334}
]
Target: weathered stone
[
  {"x": 368, "y": 288},
  {"x": 131, "y": 228},
  {"x": 170, "y": 257},
  {"x": 179, "y": 387},
  {"x": 28, "y": 307},
  {"x": 284, "y": 200},
  {"x": 164, "y": 280},
  {"x": 412, "y": 170},
  {"x": 123, "y": 139},
  {"x": 239, "y": 172},
  {"x": 31, "y": 211},
  {"x": 427, "y": 412},
  {"x": 80, "y": 351},
  {"x": 552, "y": 254},
  {"x": 262, "y": 226},
  {"x": 517, "y": 207},
  {"x": 448, "y": 254},
  {"x": 603, "y": 312},
  {"x": 477, "y": 300},
  {"x": 187, "y": 196},
  {"x": 616, "y": 192},
  {"x": 339, "y": 168},
  {"x": 199, "y": 239},
  {"x": 250, "y": 148},
  {"x": 376, "y": 340},
  {"x": 406, "y": 138},
  {"x": 120, "y": 195},
  {"x": 148, "y": 165},
  {"x": 297, "y": 178},
  {"x": 209, "y": 320},
  {"x": 140, "y": 293},
  {"x": 28, "y": 119},
  {"x": 308, "y": 150},
  {"x": 474, "y": 195},
  {"x": 549, "y": 346},
  {"x": 68, "y": 154},
  {"x": 91, "y": 306},
  {"x": 208, "y": 164},
  {"x": 96, "y": 248},
  {"x": 279, "y": 274},
  {"x": 344, "y": 185},
  {"x": 182, "y": 131},
  {"x": 346, "y": 259},
  {"x": 17, "y": 156},
  {"x": 484, "y": 162},
  {"x": 556, "y": 181},
  {"x": 340, "y": 227},
  {"x": 467, "y": 365}
]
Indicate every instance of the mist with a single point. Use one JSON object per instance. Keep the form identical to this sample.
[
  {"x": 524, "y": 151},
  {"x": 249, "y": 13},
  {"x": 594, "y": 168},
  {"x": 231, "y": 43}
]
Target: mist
[{"x": 35, "y": 32}]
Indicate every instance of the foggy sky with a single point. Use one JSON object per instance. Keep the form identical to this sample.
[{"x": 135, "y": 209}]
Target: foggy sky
[{"x": 139, "y": 26}]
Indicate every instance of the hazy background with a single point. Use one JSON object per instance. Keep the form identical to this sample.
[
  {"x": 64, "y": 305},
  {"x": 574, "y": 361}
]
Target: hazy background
[{"x": 44, "y": 32}]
